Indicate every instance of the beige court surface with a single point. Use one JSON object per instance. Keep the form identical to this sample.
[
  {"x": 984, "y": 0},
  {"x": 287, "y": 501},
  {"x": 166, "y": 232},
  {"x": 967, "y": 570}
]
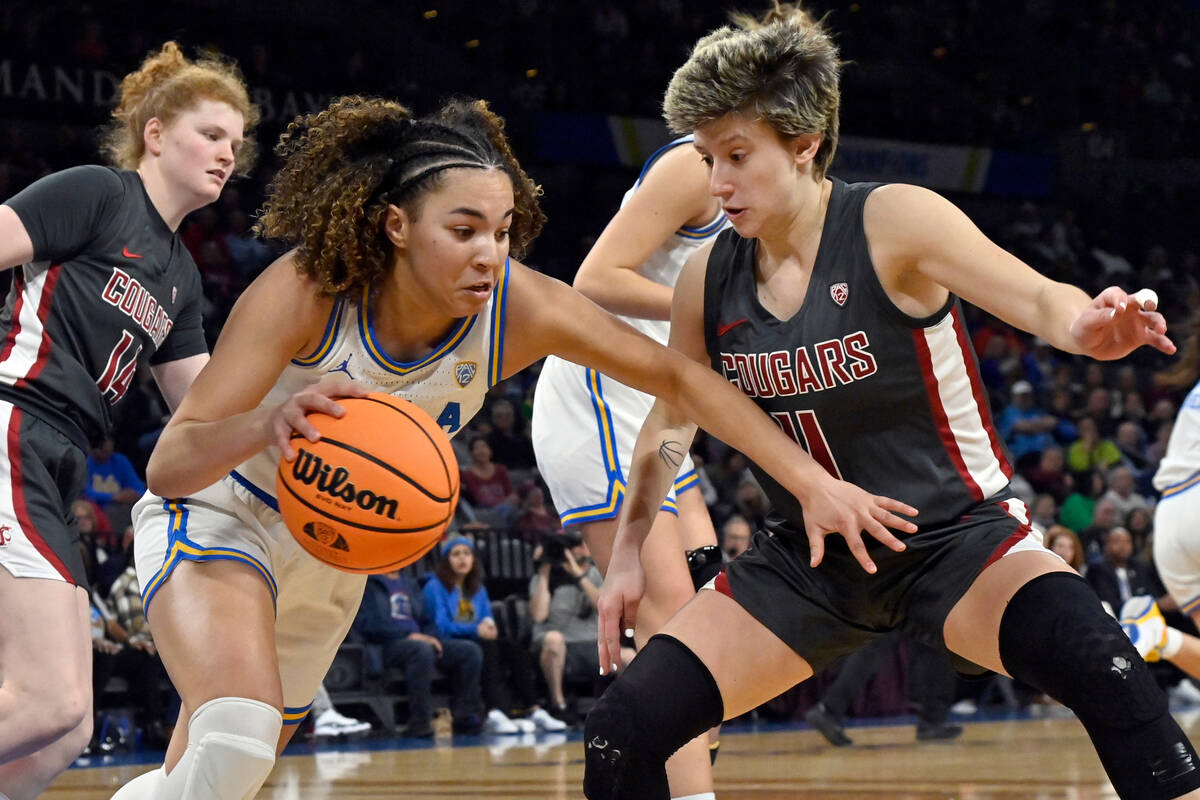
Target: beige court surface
[{"x": 1040, "y": 759}]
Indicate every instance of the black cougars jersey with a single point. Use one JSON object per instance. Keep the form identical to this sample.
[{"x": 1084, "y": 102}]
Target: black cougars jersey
[
  {"x": 110, "y": 285},
  {"x": 889, "y": 402}
]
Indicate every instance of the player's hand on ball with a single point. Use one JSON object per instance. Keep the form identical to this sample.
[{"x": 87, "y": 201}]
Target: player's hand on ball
[
  {"x": 841, "y": 507},
  {"x": 292, "y": 414},
  {"x": 1117, "y": 323}
]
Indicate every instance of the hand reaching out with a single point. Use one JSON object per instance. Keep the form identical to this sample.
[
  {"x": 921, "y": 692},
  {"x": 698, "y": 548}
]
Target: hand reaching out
[{"x": 1117, "y": 323}]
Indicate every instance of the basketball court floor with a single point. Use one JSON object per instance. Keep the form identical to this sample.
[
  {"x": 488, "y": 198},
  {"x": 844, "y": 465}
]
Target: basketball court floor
[{"x": 997, "y": 758}]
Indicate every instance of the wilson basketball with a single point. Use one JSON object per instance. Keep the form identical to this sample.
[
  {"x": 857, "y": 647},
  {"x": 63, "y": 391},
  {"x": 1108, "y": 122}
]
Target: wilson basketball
[{"x": 376, "y": 492}]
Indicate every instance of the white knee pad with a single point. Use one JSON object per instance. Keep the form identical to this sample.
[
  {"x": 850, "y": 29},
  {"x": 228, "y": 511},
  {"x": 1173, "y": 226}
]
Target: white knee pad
[{"x": 230, "y": 752}]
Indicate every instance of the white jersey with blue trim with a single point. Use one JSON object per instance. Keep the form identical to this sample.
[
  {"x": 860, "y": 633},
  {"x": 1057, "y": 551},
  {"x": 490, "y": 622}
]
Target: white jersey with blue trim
[
  {"x": 450, "y": 384},
  {"x": 664, "y": 264},
  {"x": 1179, "y": 469}
]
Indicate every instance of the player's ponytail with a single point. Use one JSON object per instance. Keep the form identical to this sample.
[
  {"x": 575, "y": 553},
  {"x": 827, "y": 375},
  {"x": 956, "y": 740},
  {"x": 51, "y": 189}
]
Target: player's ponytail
[{"x": 167, "y": 84}]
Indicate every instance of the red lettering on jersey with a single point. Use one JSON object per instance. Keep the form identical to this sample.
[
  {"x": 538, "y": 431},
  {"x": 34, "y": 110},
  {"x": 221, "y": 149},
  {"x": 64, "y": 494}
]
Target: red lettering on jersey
[
  {"x": 115, "y": 287},
  {"x": 781, "y": 373},
  {"x": 805, "y": 374},
  {"x": 729, "y": 368},
  {"x": 863, "y": 364},
  {"x": 832, "y": 358},
  {"x": 115, "y": 379},
  {"x": 762, "y": 371},
  {"x": 749, "y": 385}
]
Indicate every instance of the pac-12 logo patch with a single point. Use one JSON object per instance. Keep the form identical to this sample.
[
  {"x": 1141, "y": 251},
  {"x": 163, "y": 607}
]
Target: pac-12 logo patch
[
  {"x": 464, "y": 372},
  {"x": 840, "y": 292}
]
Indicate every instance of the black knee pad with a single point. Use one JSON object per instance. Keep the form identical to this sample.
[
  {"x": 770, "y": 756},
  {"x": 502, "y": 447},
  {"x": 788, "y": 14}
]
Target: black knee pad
[
  {"x": 1056, "y": 637},
  {"x": 664, "y": 699},
  {"x": 704, "y": 563}
]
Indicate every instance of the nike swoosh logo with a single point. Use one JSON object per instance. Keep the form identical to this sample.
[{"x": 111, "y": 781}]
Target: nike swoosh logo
[
  {"x": 125, "y": 252},
  {"x": 728, "y": 326}
]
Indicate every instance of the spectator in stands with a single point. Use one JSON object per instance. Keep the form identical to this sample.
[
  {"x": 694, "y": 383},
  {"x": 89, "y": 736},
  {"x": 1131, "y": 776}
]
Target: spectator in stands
[
  {"x": 509, "y": 438},
  {"x": 1104, "y": 519},
  {"x": 562, "y": 603},
  {"x": 735, "y": 536},
  {"x": 1140, "y": 524},
  {"x": 1077, "y": 509},
  {"x": 106, "y": 554},
  {"x": 533, "y": 518},
  {"x": 1120, "y": 575},
  {"x": 119, "y": 650},
  {"x": 1050, "y": 476},
  {"x": 1091, "y": 450},
  {"x": 1062, "y": 540},
  {"x": 388, "y": 617},
  {"x": 112, "y": 483},
  {"x": 486, "y": 484},
  {"x": 1025, "y": 425},
  {"x": 1043, "y": 511},
  {"x": 1131, "y": 441},
  {"x": 457, "y": 606},
  {"x": 1099, "y": 406},
  {"x": 749, "y": 500},
  {"x": 1122, "y": 491}
]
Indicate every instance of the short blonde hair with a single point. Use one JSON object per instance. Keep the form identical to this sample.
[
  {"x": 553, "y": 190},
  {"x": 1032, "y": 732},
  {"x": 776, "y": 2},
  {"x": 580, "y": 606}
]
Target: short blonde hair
[
  {"x": 166, "y": 85},
  {"x": 783, "y": 68}
]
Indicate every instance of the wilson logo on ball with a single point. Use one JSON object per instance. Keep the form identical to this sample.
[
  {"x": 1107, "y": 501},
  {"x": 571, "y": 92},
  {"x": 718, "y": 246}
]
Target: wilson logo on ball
[
  {"x": 376, "y": 491},
  {"x": 312, "y": 470}
]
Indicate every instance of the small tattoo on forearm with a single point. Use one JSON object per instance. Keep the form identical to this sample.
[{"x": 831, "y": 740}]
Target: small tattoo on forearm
[{"x": 671, "y": 453}]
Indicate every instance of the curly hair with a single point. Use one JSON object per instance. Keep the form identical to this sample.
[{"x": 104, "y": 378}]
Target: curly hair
[
  {"x": 166, "y": 85},
  {"x": 1185, "y": 370},
  {"x": 783, "y": 67},
  {"x": 344, "y": 165}
]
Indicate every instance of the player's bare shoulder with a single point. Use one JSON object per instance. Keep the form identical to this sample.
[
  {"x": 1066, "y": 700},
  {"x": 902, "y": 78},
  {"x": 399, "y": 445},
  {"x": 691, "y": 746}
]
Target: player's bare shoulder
[{"x": 289, "y": 299}]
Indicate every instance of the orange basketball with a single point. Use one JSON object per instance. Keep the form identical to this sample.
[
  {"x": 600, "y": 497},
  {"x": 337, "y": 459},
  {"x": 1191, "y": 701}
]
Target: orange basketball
[{"x": 376, "y": 492}]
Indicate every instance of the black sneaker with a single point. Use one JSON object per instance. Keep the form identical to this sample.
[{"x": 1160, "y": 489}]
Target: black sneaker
[
  {"x": 937, "y": 731},
  {"x": 468, "y": 726},
  {"x": 418, "y": 729},
  {"x": 830, "y": 727}
]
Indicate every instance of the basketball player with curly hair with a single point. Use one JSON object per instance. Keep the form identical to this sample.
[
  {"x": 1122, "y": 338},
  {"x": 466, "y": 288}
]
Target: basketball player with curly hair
[
  {"x": 403, "y": 276},
  {"x": 105, "y": 284},
  {"x": 836, "y": 307}
]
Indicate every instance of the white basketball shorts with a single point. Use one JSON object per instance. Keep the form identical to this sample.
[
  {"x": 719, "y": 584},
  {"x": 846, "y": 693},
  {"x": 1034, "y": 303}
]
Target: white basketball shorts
[
  {"x": 314, "y": 603},
  {"x": 584, "y": 427}
]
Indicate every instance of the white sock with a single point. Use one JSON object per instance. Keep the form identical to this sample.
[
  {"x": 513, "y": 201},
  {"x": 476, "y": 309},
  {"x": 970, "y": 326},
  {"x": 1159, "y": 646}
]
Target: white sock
[
  {"x": 701, "y": 796},
  {"x": 1174, "y": 641}
]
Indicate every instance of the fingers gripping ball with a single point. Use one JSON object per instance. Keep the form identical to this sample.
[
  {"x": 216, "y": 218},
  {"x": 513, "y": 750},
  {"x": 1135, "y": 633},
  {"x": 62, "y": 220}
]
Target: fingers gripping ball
[{"x": 376, "y": 492}]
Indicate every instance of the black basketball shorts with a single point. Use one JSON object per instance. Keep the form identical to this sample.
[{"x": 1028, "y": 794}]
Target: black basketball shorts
[
  {"x": 826, "y": 612},
  {"x": 42, "y": 473}
]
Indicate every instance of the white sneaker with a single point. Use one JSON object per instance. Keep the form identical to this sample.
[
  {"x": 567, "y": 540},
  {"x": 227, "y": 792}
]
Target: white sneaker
[
  {"x": 497, "y": 722},
  {"x": 1185, "y": 693},
  {"x": 524, "y": 725},
  {"x": 545, "y": 721},
  {"x": 964, "y": 707},
  {"x": 331, "y": 723},
  {"x": 1143, "y": 623}
]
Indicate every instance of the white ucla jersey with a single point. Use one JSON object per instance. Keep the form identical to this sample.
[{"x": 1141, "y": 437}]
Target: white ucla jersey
[
  {"x": 1180, "y": 468},
  {"x": 664, "y": 264},
  {"x": 449, "y": 384}
]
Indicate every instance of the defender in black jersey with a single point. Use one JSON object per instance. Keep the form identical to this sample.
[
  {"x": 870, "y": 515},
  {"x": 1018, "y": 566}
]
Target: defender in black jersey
[
  {"x": 835, "y": 308},
  {"x": 104, "y": 284}
]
